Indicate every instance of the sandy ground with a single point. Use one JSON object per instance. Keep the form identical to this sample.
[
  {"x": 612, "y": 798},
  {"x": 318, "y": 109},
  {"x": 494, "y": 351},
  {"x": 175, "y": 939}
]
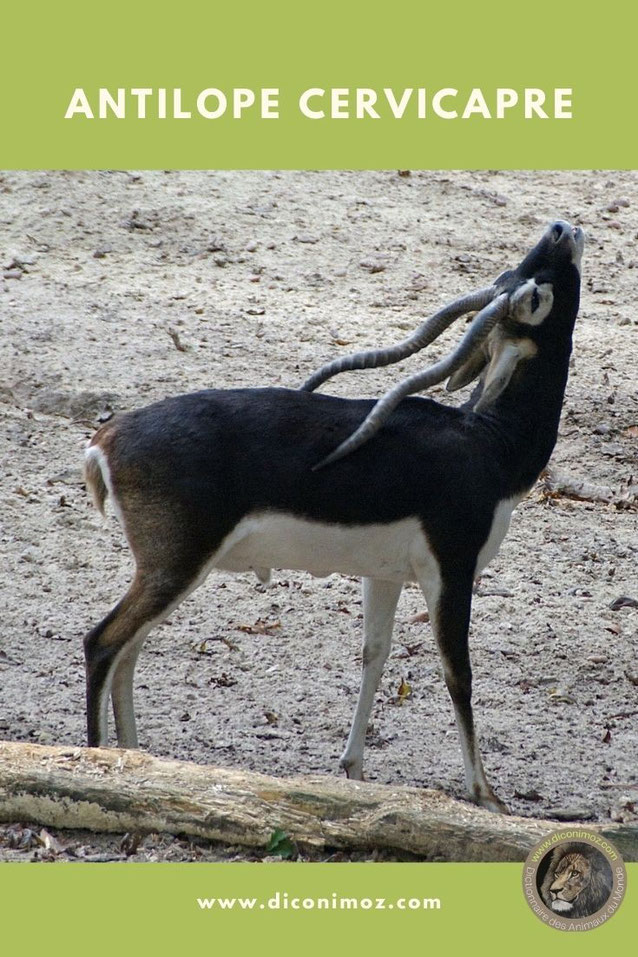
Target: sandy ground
[{"x": 122, "y": 288}]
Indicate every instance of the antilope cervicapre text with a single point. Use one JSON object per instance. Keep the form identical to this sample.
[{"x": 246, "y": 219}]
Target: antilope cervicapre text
[{"x": 227, "y": 479}]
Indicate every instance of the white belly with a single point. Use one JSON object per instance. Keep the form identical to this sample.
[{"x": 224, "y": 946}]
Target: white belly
[
  {"x": 398, "y": 551},
  {"x": 272, "y": 540}
]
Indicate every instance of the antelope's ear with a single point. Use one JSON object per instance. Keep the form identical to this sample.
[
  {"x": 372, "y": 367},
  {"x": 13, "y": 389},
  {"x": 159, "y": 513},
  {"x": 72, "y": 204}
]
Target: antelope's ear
[
  {"x": 471, "y": 370},
  {"x": 505, "y": 358}
]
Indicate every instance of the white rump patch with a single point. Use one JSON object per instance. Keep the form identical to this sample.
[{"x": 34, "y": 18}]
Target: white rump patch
[{"x": 95, "y": 454}]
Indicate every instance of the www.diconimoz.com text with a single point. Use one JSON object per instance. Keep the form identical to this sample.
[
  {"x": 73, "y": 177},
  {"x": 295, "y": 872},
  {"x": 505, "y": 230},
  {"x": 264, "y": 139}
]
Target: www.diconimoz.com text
[{"x": 283, "y": 901}]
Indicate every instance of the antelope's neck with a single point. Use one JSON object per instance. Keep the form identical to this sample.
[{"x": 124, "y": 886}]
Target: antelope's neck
[{"x": 522, "y": 424}]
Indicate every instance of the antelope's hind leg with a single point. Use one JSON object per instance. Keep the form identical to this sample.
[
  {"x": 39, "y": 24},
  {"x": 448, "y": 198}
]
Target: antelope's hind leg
[
  {"x": 380, "y": 600},
  {"x": 111, "y": 650}
]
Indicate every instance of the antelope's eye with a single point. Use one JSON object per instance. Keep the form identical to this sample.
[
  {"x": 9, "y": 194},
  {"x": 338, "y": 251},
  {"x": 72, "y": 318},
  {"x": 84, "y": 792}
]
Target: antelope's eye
[{"x": 536, "y": 300}]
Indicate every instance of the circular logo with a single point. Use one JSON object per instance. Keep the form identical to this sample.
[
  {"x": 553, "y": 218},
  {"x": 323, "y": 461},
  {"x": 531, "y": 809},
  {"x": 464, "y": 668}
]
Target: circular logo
[{"x": 574, "y": 879}]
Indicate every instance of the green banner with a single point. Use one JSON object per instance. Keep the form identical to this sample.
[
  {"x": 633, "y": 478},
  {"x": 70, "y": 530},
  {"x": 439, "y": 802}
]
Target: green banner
[
  {"x": 281, "y": 909},
  {"x": 331, "y": 85}
]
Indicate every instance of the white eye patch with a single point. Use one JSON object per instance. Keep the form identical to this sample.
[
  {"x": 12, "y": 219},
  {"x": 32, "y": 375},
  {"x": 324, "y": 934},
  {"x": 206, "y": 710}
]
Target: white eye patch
[{"x": 531, "y": 303}]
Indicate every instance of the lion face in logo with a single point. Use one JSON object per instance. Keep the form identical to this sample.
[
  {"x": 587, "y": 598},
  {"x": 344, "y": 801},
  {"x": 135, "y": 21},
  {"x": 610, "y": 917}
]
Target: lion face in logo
[
  {"x": 570, "y": 879},
  {"x": 578, "y": 881}
]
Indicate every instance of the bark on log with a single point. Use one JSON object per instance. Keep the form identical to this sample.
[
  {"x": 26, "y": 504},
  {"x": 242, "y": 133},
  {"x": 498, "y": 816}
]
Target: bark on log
[{"x": 112, "y": 790}]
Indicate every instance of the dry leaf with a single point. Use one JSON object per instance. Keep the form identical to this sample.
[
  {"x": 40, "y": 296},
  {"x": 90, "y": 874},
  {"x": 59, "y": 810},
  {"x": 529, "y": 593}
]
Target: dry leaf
[
  {"x": 260, "y": 627},
  {"x": 130, "y": 843},
  {"x": 177, "y": 342},
  {"x": 48, "y": 842},
  {"x": 623, "y": 601},
  {"x": 422, "y": 617},
  {"x": 404, "y": 691}
]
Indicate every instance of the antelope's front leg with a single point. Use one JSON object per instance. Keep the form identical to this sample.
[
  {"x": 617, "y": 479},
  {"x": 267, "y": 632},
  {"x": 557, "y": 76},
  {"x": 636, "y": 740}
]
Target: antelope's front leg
[
  {"x": 380, "y": 600},
  {"x": 451, "y": 622}
]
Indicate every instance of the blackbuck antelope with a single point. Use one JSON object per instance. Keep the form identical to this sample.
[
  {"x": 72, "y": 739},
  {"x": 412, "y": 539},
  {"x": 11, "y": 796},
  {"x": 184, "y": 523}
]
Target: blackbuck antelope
[{"x": 229, "y": 480}]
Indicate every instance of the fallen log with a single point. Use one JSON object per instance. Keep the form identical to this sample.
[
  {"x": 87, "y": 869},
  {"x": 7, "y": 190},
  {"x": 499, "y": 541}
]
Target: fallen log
[
  {"x": 560, "y": 484},
  {"x": 117, "y": 791}
]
